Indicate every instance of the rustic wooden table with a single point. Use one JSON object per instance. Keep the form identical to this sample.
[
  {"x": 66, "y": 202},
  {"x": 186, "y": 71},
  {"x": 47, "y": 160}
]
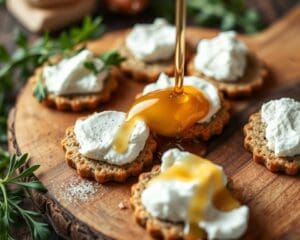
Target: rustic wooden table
[{"x": 269, "y": 9}]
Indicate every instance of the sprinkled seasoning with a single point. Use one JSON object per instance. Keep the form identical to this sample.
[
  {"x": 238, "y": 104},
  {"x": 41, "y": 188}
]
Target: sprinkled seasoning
[{"x": 78, "y": 189}]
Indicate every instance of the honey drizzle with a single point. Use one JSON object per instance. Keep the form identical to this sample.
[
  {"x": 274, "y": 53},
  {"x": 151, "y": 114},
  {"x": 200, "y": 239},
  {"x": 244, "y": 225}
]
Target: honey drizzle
[
  {"x": 166, "y": 112},
  {"x": 170, "y": 111},
  {"x": 180, "y": 45},
  {"x": 210, "y": 186}
]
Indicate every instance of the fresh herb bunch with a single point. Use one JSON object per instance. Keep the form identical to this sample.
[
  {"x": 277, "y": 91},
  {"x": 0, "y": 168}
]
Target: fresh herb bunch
[
  {"x": 13, "y": 190},
  {"x": 226, "y": 14},
  {"x": 27, "y": 57}
]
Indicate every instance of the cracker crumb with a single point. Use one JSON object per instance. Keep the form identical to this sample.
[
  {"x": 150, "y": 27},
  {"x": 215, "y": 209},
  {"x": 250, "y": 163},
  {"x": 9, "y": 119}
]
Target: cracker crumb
[{"x": 122, "y": 206}]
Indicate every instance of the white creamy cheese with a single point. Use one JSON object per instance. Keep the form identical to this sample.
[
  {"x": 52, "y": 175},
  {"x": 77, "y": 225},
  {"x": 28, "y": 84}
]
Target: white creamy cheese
[
  {"x": 70, "y": 76},
  {"x": 96, "y": 133},
  {"x": 168, "y": 200},
  {"x": 171, "y": 157},
  {"x": 223, "y": 57},
  {"x": 152, "y": 42},
  {"x": 225, "y": 225},
  {"x": 163, "y": 200},
  {"x": 209, "y": 90},
  {"x": 282, "y": 119}
]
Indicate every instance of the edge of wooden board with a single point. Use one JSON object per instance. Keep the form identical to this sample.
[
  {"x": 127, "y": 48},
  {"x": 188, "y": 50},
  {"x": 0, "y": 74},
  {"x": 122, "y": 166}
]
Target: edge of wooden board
[{"x": 62, "y": 221}]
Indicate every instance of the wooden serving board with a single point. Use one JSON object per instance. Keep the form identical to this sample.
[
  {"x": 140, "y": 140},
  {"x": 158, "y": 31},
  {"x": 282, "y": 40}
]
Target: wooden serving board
[{"x": 274, "y": 199}]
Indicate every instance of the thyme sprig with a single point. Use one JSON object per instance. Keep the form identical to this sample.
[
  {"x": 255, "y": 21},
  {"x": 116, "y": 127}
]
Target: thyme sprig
[{"x": 13, "y": 190}]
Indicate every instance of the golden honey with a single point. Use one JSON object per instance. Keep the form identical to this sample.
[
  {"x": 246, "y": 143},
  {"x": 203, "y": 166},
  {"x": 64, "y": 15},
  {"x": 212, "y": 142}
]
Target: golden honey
[
  {"x": 180, "y": 45},
  {"x": 169, "y": 112},
  {"x": 210, "y": 183},
  {"x": 165, "y": 112}
]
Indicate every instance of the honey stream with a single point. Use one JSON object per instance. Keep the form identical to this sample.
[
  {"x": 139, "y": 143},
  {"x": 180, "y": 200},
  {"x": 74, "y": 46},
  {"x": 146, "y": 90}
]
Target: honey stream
[{"x": 170, "y": 111}]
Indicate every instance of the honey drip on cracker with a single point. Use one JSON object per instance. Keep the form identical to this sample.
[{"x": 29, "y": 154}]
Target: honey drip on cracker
[
  {"x": 167, "y": 112},
  {"x": 210, "y": 183}
]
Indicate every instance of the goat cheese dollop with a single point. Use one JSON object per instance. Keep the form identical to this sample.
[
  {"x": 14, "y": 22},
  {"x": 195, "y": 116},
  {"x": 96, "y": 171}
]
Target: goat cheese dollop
[
  {"x": 224, "y": 57},
  {"x": 169, "y": 199},
  {"x": 152, "y": 42},
  {"x": 282, "y": 119},
  {"x": 96, "y": 133},
  {"x": 70, "y": 76}
]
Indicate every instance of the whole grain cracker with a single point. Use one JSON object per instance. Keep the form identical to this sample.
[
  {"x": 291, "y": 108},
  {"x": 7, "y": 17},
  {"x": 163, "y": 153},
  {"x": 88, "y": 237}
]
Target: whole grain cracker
[
  {"x": 77, "y": 103},
  {"x": 252, "y": 80},
  {"x": 101, "y": 171},
  {"x": 157, "y": 228},
  {"x": 206, "y": 130},
  {"x": 138, "y": 70},
  {"x": 256, "y": 143}
]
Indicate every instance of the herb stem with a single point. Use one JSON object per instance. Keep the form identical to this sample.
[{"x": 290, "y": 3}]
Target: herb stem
[{"x": 2, "y": 187}]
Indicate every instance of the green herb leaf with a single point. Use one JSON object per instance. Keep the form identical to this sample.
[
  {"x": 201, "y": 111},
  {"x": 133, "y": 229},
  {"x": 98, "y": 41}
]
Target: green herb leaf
[
  {"x": 89, "y": 30},
  {"x": 226, "y": 14},
  {"x": 21, "y": 39},
  {"x": 90, "y": 65},
  {"x": 33, "y": 185},
  {"x": 228, "y": 22},
  {"x": 40, "y": 90},
  {"x": 4, "y": 55},
  {"x": 38, "y": 230},
  {"x": 229, "y": 15},
  {"x": 27, "y": 172},
  {"x": 112, "y": 58}
]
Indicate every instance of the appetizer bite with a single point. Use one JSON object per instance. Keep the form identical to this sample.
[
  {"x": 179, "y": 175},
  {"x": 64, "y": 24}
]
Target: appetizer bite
[
  {"x": 76, "y": 83},
  {"x": 228, "y": 63},
  {"x": 273, "y": 136},
  {"x": 217, "y": 114},
  {"x": 149, "y": 49},
  {"x": 186, "y": 198},
  {"x": 89, "y": 148}
]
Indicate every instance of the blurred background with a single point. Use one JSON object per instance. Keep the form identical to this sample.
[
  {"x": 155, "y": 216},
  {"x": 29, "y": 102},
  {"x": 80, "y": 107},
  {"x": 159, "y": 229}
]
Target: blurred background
[
  {"x": 23, "y": 22},
  {"x": 50, "y": 15}
]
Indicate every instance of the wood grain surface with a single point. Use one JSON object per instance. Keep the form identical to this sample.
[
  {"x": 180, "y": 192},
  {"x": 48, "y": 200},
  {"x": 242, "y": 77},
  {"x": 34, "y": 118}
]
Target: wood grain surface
[{"x": 274, "y": 199}]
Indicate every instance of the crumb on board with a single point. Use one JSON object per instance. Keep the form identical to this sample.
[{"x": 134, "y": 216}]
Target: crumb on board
[{"x": 122, "y": 206}]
